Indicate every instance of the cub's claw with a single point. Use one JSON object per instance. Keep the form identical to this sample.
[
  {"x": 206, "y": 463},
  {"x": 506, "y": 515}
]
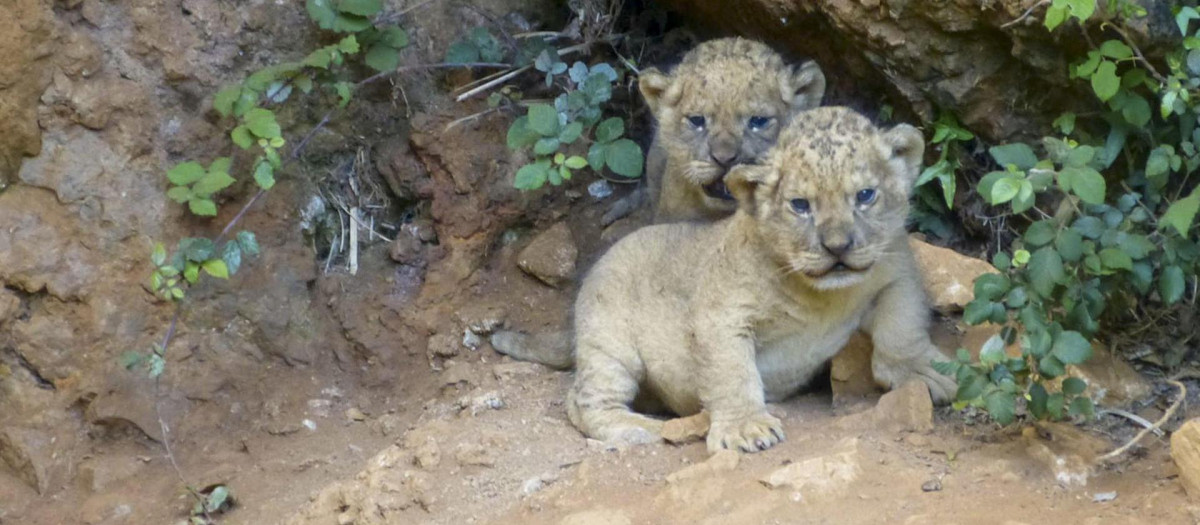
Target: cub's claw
[{"x": 749, "y": 434}]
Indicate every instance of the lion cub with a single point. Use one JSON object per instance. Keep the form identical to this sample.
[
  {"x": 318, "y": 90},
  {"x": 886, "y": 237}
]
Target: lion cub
[
  {"x": 723, "y": 105},
  {"x": 726, "y": 316}
]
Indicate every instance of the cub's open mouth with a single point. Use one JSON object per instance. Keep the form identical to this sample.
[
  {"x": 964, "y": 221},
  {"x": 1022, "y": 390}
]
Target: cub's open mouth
[{"x": 718, "y": 190}]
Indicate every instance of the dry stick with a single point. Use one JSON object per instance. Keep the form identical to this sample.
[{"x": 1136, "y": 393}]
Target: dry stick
[
  {"x": 162, "y": 423},
  {"x": 1024, "y": 15},
  {"x": 507, "y": 76},
  {"x": 1166, "y": 417},
  {"x": 1145, "y": 423}
]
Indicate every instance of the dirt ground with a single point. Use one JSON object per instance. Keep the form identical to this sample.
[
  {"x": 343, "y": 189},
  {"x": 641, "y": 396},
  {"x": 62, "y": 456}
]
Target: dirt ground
[{"x": 319, "y": 396}]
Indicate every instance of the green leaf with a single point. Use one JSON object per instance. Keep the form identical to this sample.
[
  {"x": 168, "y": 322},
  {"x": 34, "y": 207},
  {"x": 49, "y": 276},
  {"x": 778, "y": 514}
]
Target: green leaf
[
  {"x": 321, "y": 58},
  {"x": 1005, "y": 189},
  {"x": 1105, "y": 81},
  {"x": 554, "y": 175},
  {"x": 571, "y": 133},
  {"x": 1002, "y": 261},
  {"x": 216, "y": 268},
  {"x": 1172, "y": 284},
  {"x": 344, "y": 92},
  {"x": 217, "y": 498},
  {"x": 977, "y": 311},
  {"x": 1050, "y": 367},
  {"x": 1016, "y": 154},
  {"x": 185, "y": 173},
  {"x": 1054, "y": 405},
  {"x": 1045, "y": 270},
  {"x": 992, "y": 352},
  {"x": 212, "y": 183},
  {"x": 180, "y": 194},
  {"x": 1081, "y": 406},
  {"x": 596, "y": 155},
  {"x": 191, "y": 272},
  {"x": 1020, "y": 257},
  {"x": 1037, "y": 400},
  {"x": 1069, "y": 244},
  {"x": 241, "y": 136},
  {"x": 1087, "y": 183},
  {"x": 575, "y": 162},
  {"x": 531, "y": 176},
  {"x": 322, "y": 12},
  {"x": 224, "y": 99},
  {"x": 1040, "y": 233},
  {"x": 546, "y": 146},
  {"x": 382, "y": 58},
  {"x": 1016, "y": 297},
  {"x": 1073, "y": 386},
  {"x": 264, "y": 174},
  {"x": 1090, "y": 227},
  {"x": 157, "y": 365},
  {"x": 131, "y": 359},
  {"x": 1137, "y": 246},
  {"x": 248, "y": 242},
  {"x": 348, "y": 45},
  {"x": 544, "y": 120},
  {"x": 1181, "y": 214},
  {"x": 232, "y": 255},
  {"x": 1136, "y": 111},
  {"x": 462, "y": 52},
  {"x": 1114, "y": 259},
  {"x": 946, "y": 368},
  {"x": 519, "y": 134},
  {"x": 158, "y": 256},
  {"x": 1001, "y": 406},
  {"x": 624, "y": 158},
  {"x": 610, "y": 129},
  {"x": 1116, "y": 49},
  {"x": 395, "y": 37},
  {"x": 1055, "y": 16},
  {"x": 1158, "y": 163},
  {"x": 261, "y": 122},
  {"x": 1071, "y": 348},
  {"x": 1065, "y": 123},
  {"x": 991, "y": 286},
  {"x": 202, "y": 207},
  {"x": 1186, "y": 14}
]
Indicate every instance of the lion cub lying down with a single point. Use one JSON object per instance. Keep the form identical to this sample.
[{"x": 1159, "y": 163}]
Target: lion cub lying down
[{"x": 729, "y": 315}]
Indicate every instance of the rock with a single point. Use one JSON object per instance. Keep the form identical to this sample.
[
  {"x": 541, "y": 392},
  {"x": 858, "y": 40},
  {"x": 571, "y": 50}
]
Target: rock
[
  {"x": 511, "y": 371},
  {"x": 354, "y": 414},
  {"x": 850, "y": 374},
  {"x": 1065, "y": 451},
  {"x": 933, "y": 485},
  {"x": 32, "y": 455},
  {"x": 822, "y": 475},
  {"x": 99, "y": 473},
  {"x": 722, "y": 461},
  {"x": 443, "y": 345},
  {"x": 948, "y": 275},
  {"x": 597, "y": 517},
  {"x": 474, "y": 455},
  {"x": 9, "y": 304},
  {"x": 407, "y": 249},
  {"x": 471, "y": 339},
  {"x": 1111, "y": 381},
  {"x": 26, "y": 38},
  {"x": 905, "y": 409},
  {"x": 686, "y": 429},
  {"x": 600, "y": 189},
  {"x": 552, "y": 349},
  {"x": 550, "y": 256},
  {"x": 426, "y": 453},
  {"x": 1185, "y": 450}
]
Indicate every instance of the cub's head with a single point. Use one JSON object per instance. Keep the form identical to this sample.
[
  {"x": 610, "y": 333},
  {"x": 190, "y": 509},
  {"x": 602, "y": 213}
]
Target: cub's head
[
  {"x": 724, "y": 104},
  {"x": 830, "y": 200}
]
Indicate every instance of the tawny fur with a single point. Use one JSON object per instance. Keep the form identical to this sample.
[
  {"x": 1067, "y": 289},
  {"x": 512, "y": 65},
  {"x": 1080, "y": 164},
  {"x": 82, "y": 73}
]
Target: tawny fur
[
  {"x": 727, "y": 82},
  {"x": 726, "y": 316}
]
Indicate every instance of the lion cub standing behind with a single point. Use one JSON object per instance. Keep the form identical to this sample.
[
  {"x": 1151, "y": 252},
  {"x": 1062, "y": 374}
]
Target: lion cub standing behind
[
  {"x": 728, "y": 315},
  {"x": 723, "y": 105}
]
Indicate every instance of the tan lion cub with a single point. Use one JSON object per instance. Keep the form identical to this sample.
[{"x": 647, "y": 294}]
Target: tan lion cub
[
  {"x": 728, "y": 315},
  {"x": 723, "y": 105}
]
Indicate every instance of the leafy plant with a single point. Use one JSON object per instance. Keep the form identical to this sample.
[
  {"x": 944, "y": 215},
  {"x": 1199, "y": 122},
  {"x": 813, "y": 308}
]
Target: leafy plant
[
  {"x": 1119, "y": 235},
  {"x": 556, "y": 132},
  {"x": 218, "y": 500}
]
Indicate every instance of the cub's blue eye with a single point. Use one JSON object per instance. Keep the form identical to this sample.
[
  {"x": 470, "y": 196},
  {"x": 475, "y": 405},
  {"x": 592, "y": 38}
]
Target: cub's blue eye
[
  {"x": 697, "y": 121},
  {"x": 866, "y": 196},
  {"x": 800, "y": 205},
  {"x": 759, "y": 123}
]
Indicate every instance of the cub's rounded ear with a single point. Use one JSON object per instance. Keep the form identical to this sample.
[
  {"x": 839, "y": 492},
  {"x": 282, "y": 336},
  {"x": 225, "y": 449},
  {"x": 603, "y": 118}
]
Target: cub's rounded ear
[
  {"x": 657, "y": 89},
  {"x": 904, "y": 148},
  {"x": 744, "y": 179},
  {"x": 805, "y": 88}
]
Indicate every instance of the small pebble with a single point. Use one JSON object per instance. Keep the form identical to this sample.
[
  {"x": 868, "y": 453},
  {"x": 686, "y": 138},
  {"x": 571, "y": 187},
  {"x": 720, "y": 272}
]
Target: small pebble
[
  {"x": 1104, "y": 497},
  {"x": 309, "y": 424},
  {"x": 933, "y": 485},
  {"x": 600, "y": 189}
]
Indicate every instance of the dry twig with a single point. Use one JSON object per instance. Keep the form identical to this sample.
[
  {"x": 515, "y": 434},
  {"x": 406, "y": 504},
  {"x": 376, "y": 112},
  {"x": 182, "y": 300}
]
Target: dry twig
[{"x": 1157, "y": 424}]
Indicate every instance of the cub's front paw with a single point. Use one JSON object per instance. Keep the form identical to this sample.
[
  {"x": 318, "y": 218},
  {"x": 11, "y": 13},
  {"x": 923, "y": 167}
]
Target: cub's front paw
[
  {"x": 747, "y": 434},
  {"x": 941, "y": 388}
]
